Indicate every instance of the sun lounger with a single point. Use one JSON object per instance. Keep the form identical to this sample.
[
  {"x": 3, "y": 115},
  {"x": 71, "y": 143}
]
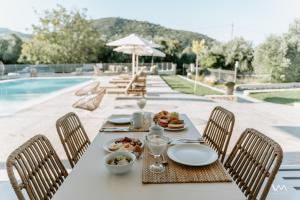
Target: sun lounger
[
  {"x": 140, "y": 77},
  {"x": 90, "y": 102},
  {"x": 125, "y": 76},
  {"x": 13, "y": 75},
  {"x": 78, "y": 71},
  {"x": 97, "y": 71},
  {"x": 133, "y": 88},
  {"x": 119, "y": 81},
  {"x": 88, "y": 89}
]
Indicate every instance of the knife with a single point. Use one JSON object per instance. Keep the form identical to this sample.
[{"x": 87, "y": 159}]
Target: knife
[{"x": 115, "y": 129}]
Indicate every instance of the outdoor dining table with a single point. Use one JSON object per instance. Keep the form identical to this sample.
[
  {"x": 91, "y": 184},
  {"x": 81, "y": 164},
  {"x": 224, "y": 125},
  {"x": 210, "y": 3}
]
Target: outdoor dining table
[{"x": 90, "y": 180}]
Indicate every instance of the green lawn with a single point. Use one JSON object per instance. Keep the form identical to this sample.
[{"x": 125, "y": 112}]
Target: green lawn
[
  {"x": 282, "y": 97},
  {"x": 181, "y": 85}
]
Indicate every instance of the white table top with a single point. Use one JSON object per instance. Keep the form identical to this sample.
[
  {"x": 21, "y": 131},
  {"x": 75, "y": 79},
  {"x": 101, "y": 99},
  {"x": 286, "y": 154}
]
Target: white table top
[{"x": 90, "y": 179}]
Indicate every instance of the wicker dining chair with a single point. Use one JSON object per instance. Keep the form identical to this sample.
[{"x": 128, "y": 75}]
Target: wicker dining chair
[
  {"x": 72, "y": 136},
  {"x": 254, "y": 163},
  {"x": 218, "y": 130},
  {"x": 34, "y": 168}
]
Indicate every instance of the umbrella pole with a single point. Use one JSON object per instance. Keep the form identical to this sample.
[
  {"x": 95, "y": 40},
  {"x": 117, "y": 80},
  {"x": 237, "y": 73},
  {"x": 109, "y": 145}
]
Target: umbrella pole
[
  {"x": 196, "y": 75},
  {"x": 133, "y": 64},
  {"x": 137, "y": 63},
  {"x": 152, "y": 61}
]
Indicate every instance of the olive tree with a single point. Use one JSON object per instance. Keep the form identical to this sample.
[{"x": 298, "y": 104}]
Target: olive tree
[
  {"x": 62, "y": 37},
  {"x": 280, "y": 55},
  {"x": 10, "y": 49},
  {"x": 239, "y": 50},
  {"x": 271, "y": 57}
]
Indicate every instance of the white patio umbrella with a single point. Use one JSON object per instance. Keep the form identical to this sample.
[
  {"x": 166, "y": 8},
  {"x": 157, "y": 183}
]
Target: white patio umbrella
[
  {"x": 133, "y": 41},
  {"x": 140, "y": 51}
]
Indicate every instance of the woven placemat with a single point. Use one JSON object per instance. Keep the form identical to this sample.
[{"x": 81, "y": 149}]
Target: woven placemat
[
  {"x": 107, "y": 124},
  {"x": 177, "y": 173}
]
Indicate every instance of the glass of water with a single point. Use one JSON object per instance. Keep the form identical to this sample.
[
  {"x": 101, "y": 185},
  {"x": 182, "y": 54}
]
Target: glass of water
[
  {"x": 141, "y": 103},
  {"x": 157, "y": 144}
]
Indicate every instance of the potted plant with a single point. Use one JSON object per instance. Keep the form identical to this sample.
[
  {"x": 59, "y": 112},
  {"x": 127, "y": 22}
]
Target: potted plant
[
  {"x": 229, "y": 88},
  {"x": 189, "y": 73},
  {"x": 154, "y": 70}
]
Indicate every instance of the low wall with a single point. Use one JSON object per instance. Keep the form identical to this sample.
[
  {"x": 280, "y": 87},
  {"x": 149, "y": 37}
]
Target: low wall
[
  {"x": 268, "y": 86},
  {"x": 24, "y": 70}
]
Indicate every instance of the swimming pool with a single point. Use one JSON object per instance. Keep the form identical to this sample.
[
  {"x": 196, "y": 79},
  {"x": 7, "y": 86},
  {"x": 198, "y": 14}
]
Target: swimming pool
[{"x": 14, "y": 93}]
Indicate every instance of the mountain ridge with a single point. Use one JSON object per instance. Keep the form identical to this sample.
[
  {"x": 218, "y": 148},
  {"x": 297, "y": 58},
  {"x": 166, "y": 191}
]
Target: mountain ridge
[
  {"x": 112, "y": 28},
  {"x": 6, "y": 32}
]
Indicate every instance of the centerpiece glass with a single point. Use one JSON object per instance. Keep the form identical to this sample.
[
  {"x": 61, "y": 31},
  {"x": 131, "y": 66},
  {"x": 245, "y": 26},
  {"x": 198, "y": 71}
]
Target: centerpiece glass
[
  {"x": 157, "y": 145},
  {"x": 141, "y": 103}
]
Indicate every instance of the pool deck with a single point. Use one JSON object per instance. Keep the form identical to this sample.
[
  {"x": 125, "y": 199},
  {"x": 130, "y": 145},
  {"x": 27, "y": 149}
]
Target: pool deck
[{"x": 279, "y": 122}]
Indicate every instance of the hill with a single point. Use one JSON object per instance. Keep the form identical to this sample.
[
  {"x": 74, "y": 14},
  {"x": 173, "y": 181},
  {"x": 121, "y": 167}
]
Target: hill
[
  {"x": 5, "y": 32},
  {"x": 114, "y": 28}
]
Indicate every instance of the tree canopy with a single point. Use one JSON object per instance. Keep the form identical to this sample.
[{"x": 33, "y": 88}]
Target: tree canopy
[
  {"x": 62, "y": 37},
  {"x": 280, "y": 55},
  {"x": 224, "y": 55},
  {"x": 10, "y": 49}
]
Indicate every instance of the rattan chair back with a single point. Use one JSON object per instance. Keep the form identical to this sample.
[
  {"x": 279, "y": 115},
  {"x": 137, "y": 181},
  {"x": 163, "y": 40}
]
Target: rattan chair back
[
  {"x": 91, "y": 102},
  {"x": 218, "y": 130},
  {"x": 73, "y": 137},
  {"x": 254, "y": 163},
  {"x": 88, "y": 89},
  {"x": 34, "y": 168}
]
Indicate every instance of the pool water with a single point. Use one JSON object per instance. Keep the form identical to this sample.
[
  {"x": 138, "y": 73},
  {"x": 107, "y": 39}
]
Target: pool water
[{"x": 15, "y": 92}]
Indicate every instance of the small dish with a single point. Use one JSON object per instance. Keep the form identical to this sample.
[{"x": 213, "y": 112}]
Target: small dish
[
  {"x": 107, "y": 145},
  {"x": 119, "y": 169},
  {"x": 175, "y": 129},
  {"x": 120, "y": 120}
]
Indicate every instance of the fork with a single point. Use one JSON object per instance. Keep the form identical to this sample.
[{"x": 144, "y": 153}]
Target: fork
[{"x": 182, "y": 140}]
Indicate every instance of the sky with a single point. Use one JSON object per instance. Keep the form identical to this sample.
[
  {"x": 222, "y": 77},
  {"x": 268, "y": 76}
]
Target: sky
[{"x": 252, "y": 19}]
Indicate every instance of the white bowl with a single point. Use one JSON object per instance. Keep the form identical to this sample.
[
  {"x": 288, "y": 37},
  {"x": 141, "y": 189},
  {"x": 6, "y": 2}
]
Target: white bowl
[{"x": 119, "y": 169}]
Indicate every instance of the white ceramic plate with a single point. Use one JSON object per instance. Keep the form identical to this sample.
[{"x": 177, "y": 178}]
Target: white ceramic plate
[
  {"x": 192, "y": 154},
  {"x": 175, "y": 129},
  {"x": 119, "y": 120},
  {"x": 108, "y": 143}
]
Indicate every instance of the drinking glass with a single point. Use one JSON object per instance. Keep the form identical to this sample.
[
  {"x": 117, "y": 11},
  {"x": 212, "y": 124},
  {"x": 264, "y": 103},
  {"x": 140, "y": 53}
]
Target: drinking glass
[
  {"x": 157, "y": 144},
  {"x": 148, "y": 117},
  {"x": 141, "y": 103}
]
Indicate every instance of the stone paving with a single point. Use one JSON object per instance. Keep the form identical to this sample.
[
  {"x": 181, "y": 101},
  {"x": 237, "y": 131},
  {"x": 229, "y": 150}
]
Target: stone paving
[{"x": 279, "y": 122}]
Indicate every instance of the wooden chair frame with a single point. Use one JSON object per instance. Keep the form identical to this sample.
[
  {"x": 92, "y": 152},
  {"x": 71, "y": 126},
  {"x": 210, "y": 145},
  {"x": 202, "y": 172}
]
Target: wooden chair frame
[
  {"x": 72, "y": 136},
  {"x": 254, "y": 163},
  {"x": 218, "y": 130},
  {"x": 38, "y": 167}
]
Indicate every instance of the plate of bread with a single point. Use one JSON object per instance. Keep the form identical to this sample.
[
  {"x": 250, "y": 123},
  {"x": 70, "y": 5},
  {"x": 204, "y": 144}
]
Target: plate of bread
[{"x": 169, "y": 121}]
